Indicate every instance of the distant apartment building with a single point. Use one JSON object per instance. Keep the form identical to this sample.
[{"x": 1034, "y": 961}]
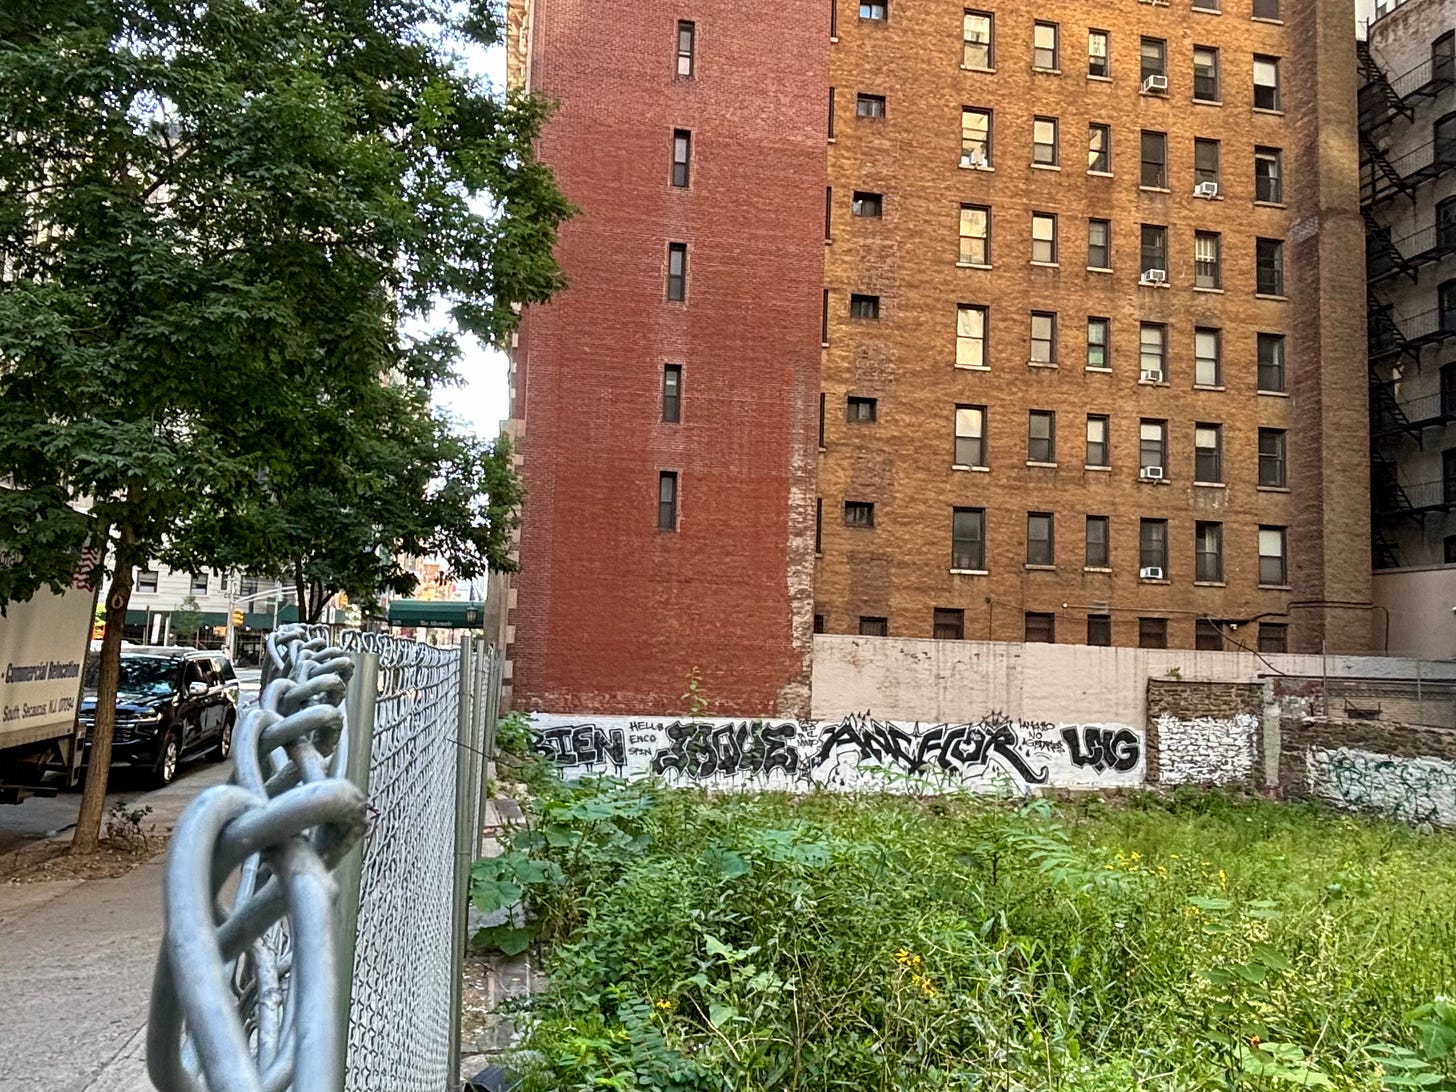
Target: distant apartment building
[
  {"x": 1407, "y": 114},
  {"x": 969, "y": 321},
  {"x": 159, "y": 593}
]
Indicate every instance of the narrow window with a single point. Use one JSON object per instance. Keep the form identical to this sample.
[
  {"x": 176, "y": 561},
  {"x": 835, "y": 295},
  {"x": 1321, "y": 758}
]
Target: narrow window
[
  {"x": 1153, "y": 549},
  {"x": 1272, "y": 469},
  {"x": 831, "y": 113},
  {"x": 677, "y": 271},
  {"x": 1273, "y": 563},
  {"x": 1098, "y": 553},
  {"x": 1444, "y": 132},
  {"x": 1098, "y": 55},
  {"x": 1099, "y": 448},
  {"x": 146, "y": 580},
  {"x": 869, "y": 106},
  {"x": 1266, "y": 83},
  {"x": 1208, "y": 454},
  {"x": 875, "y": 12},
  {"x": 1154, "y": 62},
  {"x": 968, "y": 540},
  {"x": 1154, "y": 160},
  {"x": 1152, "y": 352},
  {"x": 975, "y": 230},
  {"x": 1446, "y": 305},
  {"x": 686, "y": 44},
  {"x": 863, "y": 306},
  {"x": 1044, "y": 141},
  {"x": 1207, "y": 263},
  {"x": 1269, "y": 175},
  {"x": 198, "y": 585},
  {"x": 1446, "y": 224},
  {"x": 1152, "y": 447},
  {"x": 975, "y": 137},
  {"x": 1207, "y": 358},
  {"x": 824, "y": 321},
  {"x": 828, "y": 211},
  {"x": 819, "y": 624},
  {"x": 861, "y": 410},
  {"x": 1040, "y": 548},
  {"x": 1443, "y": 59},
  {"x": 821, "y": 420},
  {"x": 1448, "y": 389},
  {"x": 1152, "y": 633},
  {"x": 1205, "y": 74},
  {"x": 978, "y": 49},
  {"x": 1099, "y": 630},
  {"x": 1208, "y": 563},
  {"x": 1043, "y": 337},
  {"x": 1271, "y": 362},
  {"x": 873, "y": 627},
  {"x": 1041, "y": 443},
  {"x": 1099, "y": 244},
  {"x": 1205, "y": 166},
  {"x": 1273, "y": 636},
  {"x": 1207, "y": 637},
  {"x": 819, "y": 525},
  {"x": 667, "y": 501},
  {"x": 1044, "y": 238},
  {"x": 867, "y": 204},
  {"x": 1041, "y": 627},
  {"x": 859, "y": 514},
  {"x": 682, "y": 151},
  {"x": 970, "y": 436},
  {"x": 948, "y": 624},
  {"x": 1266, "y": 9},
  {"x": 1269, "y": 267},
  {"x": 247, "y": 585},
  {"x": 672, "y": 394},
  {"x": 833, "y": 20},
  {"x": 970, "y": 336},
  {"x": 1099, "y": 148},
  {"x": 1097, "y": 338},
  {"x": 1154, "y": 248},
  {"x": 1044, "y": 46}
]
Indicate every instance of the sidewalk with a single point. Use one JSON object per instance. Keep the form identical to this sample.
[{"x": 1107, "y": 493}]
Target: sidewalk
[{"x": 76, "y": 963}]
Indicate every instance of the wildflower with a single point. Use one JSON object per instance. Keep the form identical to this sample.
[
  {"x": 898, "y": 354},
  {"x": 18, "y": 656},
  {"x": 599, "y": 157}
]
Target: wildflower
[
  {"x": 1222, "y": 879},
  {"x": 925, "y": 984},
  {"x": 902, "y": 956},
  {"x": 665, "y": 1004}
]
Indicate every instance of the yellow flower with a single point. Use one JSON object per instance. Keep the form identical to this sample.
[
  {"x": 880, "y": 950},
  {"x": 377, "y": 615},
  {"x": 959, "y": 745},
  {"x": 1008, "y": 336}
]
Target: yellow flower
[
  {"x": 902, "y": 956},
  {"x": 665, "y": 1004},
  {"x": 1222, "y": 878},
  {"x": 925, "y": 984}
]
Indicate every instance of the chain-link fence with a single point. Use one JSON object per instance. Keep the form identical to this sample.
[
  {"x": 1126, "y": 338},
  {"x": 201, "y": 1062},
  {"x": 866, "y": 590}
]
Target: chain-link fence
[{"x": 335, "y": 961}]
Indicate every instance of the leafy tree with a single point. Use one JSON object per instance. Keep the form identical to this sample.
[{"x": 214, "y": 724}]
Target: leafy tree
[
  {"x": 186, "y": 620},
  {"x": 217, "y": 224}
]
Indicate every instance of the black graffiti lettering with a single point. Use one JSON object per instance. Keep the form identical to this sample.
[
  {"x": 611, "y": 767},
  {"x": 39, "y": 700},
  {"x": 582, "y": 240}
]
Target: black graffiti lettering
[
  {"x": 701, "y": 750},
  {"x": 1102, "y": 748},
  {"x": 582, "y": 745},
  {"x": 960, "y": 749}
]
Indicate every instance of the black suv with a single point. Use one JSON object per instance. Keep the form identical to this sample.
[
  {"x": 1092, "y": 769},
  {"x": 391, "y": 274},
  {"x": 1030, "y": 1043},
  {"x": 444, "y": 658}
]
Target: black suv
[{"x": 171, "y": 703}]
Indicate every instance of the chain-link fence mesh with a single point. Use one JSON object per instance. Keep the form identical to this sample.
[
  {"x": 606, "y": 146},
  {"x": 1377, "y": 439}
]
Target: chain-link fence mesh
[{"x": 331, "y": 966}]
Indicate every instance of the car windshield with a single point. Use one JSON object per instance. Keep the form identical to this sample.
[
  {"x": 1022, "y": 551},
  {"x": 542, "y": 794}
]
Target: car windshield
[{"x": 139, "y": 674}]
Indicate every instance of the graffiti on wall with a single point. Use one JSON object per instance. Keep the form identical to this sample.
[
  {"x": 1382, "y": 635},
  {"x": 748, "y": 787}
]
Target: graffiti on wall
[
  {"x": 1207, "y": 750},
  {"x": 994, "y": 752},
  {"x": 1412, "y": 790}
]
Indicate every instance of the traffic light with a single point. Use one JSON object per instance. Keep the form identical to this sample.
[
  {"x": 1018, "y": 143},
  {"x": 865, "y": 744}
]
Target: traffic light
[{"x": 237, "y": 617}]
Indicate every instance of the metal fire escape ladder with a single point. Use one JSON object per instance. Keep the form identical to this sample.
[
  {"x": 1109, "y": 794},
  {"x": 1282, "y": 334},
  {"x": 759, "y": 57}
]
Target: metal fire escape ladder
[
  {"x": 1386, "y": 336},
  {"x": 1378, "y": 99},
  {"x": 1382, "y": 257},
  {"x": 1385, "y": 179}
]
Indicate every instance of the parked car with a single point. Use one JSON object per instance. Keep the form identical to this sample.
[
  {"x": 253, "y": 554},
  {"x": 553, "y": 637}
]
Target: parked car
[{"x": 171, "y": 704}]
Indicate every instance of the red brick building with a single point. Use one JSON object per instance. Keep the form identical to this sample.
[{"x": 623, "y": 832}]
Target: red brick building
[{"x": 929, "y": 318}]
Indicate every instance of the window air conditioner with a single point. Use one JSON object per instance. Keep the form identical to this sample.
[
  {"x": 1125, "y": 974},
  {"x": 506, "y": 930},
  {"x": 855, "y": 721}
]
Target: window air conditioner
[
  {"x": 1151, "y": 375},
  {"x": 1152, "y": 474},
  {"x": 1150, "y": 572},
  {"x": 1155, "y": 83},
  {"x": 973, "y": 159},
  {"x": 1206, "y": 189},
  {"x": 1155, "y": 276}
]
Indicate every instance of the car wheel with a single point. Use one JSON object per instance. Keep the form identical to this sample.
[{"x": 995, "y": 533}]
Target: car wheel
[
  {"x": 168, "y": 754},
  {"x": 225, "y": 741}
]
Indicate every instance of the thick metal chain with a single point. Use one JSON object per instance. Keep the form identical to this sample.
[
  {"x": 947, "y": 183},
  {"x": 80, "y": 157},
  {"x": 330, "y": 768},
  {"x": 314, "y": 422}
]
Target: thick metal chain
[{"x": 245, "y": 997}]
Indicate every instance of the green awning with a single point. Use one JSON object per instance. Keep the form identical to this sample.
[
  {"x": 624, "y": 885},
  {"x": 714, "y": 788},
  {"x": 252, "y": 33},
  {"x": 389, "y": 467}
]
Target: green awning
[{"x": 443, "y": 613}]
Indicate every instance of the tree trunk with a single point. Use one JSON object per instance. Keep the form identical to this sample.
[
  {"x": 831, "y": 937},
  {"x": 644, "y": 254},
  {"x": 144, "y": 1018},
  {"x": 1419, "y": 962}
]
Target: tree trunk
[{"x": 93, "y": 798}]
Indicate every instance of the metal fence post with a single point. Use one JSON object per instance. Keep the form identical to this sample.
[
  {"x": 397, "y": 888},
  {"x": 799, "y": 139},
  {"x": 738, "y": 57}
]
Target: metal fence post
[
  {"x": 359, "y": 706},
  {"x": 463, "y": 861}
]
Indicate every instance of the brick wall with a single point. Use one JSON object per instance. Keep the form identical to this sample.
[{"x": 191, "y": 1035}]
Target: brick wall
[
  {"x": 611, "y": 613},
  {"x": 1393, "y": 770}
]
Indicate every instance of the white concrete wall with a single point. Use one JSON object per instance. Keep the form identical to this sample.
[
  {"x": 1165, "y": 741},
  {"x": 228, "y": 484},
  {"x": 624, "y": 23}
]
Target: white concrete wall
[
  {"x": 1422, "y": 606},
  {"x": 1413, "y": 790},
  {"x": 957, "y": 681}
]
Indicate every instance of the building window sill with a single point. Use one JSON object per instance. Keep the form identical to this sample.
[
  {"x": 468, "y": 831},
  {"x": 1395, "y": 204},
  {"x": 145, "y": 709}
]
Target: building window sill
[
  {"x": 1266, "y": 110},
  {"x": 824, "y": 345},
  {"x": 1096, "y": 568},
  {"x": 1210, "y": 485},
  {"x": 1208, "y": 387},
  {"x": 1276, "y": 587},
  {"x": 1047, "y": 265},
  {"x": 1143, "y": 282},
  {"x": 1266, "y": 19},
  {"x": 1270, "y": 205},
  {"x": 1032, "y": 462},
  {"x": 1271, "y": 488},
  {"x": 1204, "y": 288},
  {"x": 977, "y": 68},
  {"x": 1209, "y": 584},
  {"x": 974, "y": 367},
  {"x": 1047, "y": 71},
  {"x": 1100, "y": 371},
  {"x": 970, "y": 572},
  {"x": 1100, "y": 174},
  {"x": 1271, "y": 296},
  {"x": 970, "y": 469},
  {"x": 972, "y": 265},
  {"x": 1207, "y": 102},
  {"x": 831, "y": 140},
  {"x": 1099, "y": 469},
  {"x": 822, "y": 449},
  {"x": 1099, "y": 269},
  {"x": 1145, "y": 580},
  {"x": 1155, "y": 189},
  {"x": 1041, "y": 363},
  {"x": 828, "y": 242},
  {"x": 1274, "y": 394},
  {"x": 1029, "y": 567},
  {"x": 978, "y": 167},
  {"x": 1046, "y": 166},
  {"x": 1099, "y": 79},
  {"x": 1149, "y": 383}
]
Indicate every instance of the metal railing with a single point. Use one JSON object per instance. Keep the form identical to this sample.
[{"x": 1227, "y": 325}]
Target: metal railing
[
  {"x": 336, "y": 962},
  {"x": 1417, "y": 701}
]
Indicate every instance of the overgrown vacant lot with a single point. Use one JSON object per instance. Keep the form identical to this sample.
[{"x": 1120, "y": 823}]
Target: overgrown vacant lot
[{"x": 888, "y": 942}]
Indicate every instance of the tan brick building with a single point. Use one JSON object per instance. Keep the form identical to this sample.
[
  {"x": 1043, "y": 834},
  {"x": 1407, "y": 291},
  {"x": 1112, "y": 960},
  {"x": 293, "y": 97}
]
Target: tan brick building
[{"x": 1071, "y": 391}]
